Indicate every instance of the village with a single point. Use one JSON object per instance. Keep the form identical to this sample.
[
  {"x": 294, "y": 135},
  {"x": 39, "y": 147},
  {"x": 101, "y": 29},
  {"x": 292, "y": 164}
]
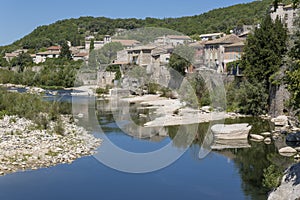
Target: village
[{"x": 213, "y": 51}]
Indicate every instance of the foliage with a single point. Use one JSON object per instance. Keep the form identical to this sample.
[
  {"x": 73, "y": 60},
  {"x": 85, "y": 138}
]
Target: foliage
[
  {"x": 178, "y": 63},
  {"x": 106, "y": 55},
  {"x": 65, "y": 51},
  {"x": 248, "y": 98},
  {"x": 115, "y": 68},
  {"x": 75, "y": 30},
  {"x": 22, "y": 60},
  {"x": 31, "y": 106},
  {"x": 272, "y": 177},
  {"x": 263, "y": 58},
  {"x": 292, "y": 78},
  {"x": 58, "y": 72},
  {"x": 100, "y": 91},
  {"x": 92, "y": 45}
]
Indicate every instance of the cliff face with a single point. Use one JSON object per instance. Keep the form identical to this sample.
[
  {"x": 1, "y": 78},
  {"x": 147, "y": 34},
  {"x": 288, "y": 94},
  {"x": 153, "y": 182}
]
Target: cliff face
[{"x": 279, "y": 95}]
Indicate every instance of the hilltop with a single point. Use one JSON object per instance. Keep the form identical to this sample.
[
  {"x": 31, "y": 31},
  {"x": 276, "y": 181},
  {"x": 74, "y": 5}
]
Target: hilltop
[{"x": 75, "y": 30}]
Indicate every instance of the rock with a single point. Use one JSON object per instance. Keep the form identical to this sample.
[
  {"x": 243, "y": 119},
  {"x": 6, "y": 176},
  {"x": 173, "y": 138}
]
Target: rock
[
  {"x": 266, "y": 134},
  {"x": 297, "y": 149},
  {"x": 257, "y": 137},
  {"x": 287, "y": 151},
  {"x": 268, "y": 140},
  {"x": 206, "y": 109},
  {"x": 280, "y": 120},
  {"x": 290, "y": 187},
  {"x": 231, "y": 131},
  {"x": 293, "y": 137}
]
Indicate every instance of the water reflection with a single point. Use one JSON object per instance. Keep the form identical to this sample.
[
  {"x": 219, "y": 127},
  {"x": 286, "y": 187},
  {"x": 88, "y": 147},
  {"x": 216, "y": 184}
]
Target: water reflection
[{"x": 250, "y": 162}]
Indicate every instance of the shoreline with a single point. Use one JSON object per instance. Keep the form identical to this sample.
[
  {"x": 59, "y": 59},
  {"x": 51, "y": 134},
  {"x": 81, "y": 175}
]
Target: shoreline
[{"x": 25, "y": 147}]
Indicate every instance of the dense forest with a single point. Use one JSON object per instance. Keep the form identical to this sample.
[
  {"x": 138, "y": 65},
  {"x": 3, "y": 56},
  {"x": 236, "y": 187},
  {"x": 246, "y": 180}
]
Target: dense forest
[{"x": 75, "y": 30}]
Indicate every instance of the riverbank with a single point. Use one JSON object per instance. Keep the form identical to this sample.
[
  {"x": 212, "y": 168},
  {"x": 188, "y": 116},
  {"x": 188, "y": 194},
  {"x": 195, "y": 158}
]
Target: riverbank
[{"x": 25, "y": 147}]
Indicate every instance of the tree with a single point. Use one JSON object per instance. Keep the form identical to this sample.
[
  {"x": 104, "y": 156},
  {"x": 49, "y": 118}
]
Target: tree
[
  {"x": 92, "y": 45},
  {"x": 65, "y": 51},
  {"x": 22, "y": 60},
  {"x": 182, "y": 58},
  {"x": 292, "y": 78},
  {"x": 263, "y": 58}
]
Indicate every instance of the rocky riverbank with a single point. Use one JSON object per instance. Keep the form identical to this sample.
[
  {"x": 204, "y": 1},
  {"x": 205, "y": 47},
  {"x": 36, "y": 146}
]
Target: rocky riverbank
[{"x": 23, "y": 146}]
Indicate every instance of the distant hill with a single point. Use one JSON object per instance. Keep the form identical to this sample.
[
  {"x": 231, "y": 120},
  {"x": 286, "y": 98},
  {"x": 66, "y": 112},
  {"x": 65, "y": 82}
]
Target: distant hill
[{"x": 74, "y": 30}]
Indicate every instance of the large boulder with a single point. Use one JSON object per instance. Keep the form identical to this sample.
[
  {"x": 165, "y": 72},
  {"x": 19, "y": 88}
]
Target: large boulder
[
  {"x": 231, "y": 131},
  {"x": 280, "y": 120},
  {"x": 290, "y": 185},
  {"x": 293, "y": 139}
]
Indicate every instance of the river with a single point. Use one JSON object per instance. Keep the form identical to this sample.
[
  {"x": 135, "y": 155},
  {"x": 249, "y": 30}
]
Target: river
[{"x": 227, "y": 174}]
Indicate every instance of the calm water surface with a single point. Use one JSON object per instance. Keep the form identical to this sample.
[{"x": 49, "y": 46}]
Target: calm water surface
[{"x": 229, "y": 174}]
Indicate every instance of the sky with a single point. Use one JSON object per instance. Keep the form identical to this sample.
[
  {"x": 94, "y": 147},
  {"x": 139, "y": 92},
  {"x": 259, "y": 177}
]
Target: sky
[{"x": 18, "y": 18}]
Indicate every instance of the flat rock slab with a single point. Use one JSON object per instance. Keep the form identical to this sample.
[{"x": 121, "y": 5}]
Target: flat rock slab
[{"x": 231, "y": 131}]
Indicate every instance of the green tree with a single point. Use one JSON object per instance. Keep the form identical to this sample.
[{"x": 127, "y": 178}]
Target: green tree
[
  {"x": 22, "y": 60},
  {"x": 292, "y": 77},
  {"x": 248, "y": 98},
  {"x": 65, "y": 51},
  {"x": 182, "y": 58},
  {"x": 263, "y": 58},
  {"x": 92, "y": 45}
]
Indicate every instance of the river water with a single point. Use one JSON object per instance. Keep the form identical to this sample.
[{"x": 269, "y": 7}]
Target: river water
[{"x": 227, "y": 174}]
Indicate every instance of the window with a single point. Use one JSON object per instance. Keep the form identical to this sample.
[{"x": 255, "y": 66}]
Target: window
[{"x": 286, "y": 17}]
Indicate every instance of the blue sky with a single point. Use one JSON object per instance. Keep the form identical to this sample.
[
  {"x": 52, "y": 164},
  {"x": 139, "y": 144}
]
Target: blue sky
[{"x": 18, "y": 18}]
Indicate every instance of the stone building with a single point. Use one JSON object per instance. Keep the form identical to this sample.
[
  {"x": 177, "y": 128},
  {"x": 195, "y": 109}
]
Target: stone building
[
  {"x": 287, "y": 14},
  {"x": 214, "y": 51}
]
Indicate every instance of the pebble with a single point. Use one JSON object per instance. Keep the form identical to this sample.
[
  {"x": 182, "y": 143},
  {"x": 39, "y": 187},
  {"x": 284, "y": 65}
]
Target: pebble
[
  {"x": 268, "y": 140},
  {"x": 266, "y": 134},
  {"x": 256, "y": 137},
  {"x": 23, "y": 148}
]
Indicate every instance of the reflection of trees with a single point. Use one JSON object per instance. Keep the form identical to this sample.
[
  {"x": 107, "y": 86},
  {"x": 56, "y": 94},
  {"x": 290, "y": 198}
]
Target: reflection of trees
[
  {"x": 251, "y": 163},
  {"x": 196, "y": 132}
]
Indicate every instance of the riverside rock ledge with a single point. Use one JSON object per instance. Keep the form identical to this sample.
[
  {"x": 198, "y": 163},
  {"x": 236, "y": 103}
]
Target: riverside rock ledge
[{"x": 24, "y": 147}]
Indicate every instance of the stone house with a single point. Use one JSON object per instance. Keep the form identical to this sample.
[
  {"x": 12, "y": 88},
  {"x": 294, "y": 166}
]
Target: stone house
[
  {"x": 107, "y": 39},
  {"x": 14, "y": 54},
  {"x": 211, "y": 36},
  {"x": 214, "y": 51},
  {"x": 173, "y": 40},
  {"x": 233, "y": 52},
  {"x": 52, "y": 52},
  {"x": 287, "y": 14}
]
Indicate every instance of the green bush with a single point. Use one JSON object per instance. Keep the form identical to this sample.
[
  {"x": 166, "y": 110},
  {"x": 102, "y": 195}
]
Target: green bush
[{"x": 272, "y": 177}]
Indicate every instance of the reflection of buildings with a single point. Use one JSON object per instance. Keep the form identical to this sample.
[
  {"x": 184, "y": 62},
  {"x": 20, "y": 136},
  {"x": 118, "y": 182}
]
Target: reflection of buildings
[{"x": 123, "y": 116}]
